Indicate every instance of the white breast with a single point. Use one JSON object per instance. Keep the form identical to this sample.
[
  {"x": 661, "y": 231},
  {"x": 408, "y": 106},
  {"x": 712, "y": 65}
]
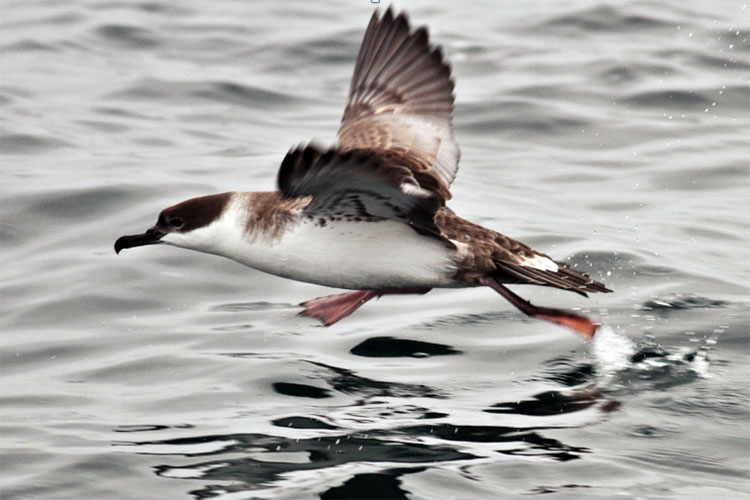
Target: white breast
[{"x": 354, "y": 255}]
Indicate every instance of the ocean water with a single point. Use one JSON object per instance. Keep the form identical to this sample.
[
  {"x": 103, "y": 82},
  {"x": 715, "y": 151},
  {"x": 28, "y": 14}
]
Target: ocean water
[{"x": 614, "y": 134}]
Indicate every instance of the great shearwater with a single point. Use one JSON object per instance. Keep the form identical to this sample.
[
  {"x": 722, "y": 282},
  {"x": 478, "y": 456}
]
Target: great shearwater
[{"x": 370, "y": 214}]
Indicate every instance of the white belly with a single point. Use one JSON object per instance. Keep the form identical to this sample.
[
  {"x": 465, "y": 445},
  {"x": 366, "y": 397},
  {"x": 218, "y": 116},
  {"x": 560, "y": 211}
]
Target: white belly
[{"x": 354, "y": 255}]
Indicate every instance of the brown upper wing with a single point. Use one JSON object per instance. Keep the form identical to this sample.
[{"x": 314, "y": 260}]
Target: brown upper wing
[{"x": 401, "y": 101}]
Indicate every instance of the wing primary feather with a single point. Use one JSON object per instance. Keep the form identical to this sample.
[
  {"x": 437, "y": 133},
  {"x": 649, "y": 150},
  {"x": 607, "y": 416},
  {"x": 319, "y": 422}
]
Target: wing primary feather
[{"x": 401, "y": 100}]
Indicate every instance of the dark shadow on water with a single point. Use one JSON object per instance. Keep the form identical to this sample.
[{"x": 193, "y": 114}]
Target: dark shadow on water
[
  {"x": 348, "y": 382},
  {"x": 150, "y": 428},
  {"x": 303, "y": 423},
  {"x": 540, "y": 490},
  {"x": 389, "y": 347},
  {"x": 301, "y": 390},
  {"x": 397, "y": 436},
  {"x": 256, "y": 461},
  {"x": 551, "y": 403},
  {"x": 266, "y": 460},
  {"x": 377, "y": 457},
  {"x": 568, "y": 372},
  {"x": 386, "y": 484}
]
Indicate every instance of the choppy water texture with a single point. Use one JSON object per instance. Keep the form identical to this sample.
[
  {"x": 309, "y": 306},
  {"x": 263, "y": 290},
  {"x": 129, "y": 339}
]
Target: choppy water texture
[{"x": 614, "y": 134}]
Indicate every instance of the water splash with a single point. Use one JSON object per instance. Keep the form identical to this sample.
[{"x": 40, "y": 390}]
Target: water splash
[{"x": 612, "y": 351}]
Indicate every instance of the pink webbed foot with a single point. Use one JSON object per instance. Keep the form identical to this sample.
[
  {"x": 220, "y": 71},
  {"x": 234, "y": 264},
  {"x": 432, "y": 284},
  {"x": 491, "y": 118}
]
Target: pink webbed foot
[
  {"x": 580, "y": 324},
  {"x": 333, "y": 308}
]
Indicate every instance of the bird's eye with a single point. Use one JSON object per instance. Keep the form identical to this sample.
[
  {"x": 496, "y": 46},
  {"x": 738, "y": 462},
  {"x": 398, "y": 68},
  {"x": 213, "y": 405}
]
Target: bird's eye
[{"x": 176, "y": 222}]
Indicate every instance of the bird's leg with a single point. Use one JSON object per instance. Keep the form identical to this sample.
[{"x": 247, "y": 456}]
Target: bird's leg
[
  {"x": 581, "y": 324},
  {"x": 333, "y": 308}
]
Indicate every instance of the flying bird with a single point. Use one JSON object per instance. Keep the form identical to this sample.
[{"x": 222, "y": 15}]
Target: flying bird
[{"x": 370, "y": 214}]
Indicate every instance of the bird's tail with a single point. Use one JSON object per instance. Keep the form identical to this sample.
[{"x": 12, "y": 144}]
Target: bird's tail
[{"x": 564, "y": 277}]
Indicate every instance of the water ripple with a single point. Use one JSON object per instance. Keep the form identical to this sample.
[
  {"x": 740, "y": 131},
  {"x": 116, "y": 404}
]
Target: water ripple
[
  {"x": 132, "y": 37},
  {"x": 605, "y": 18},
  {"x": 26, "y": 144},
  {"x": 615, "y": 133}
]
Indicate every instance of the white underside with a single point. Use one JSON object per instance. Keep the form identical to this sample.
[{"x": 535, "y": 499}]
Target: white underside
[{"x": 353, "y": 255}]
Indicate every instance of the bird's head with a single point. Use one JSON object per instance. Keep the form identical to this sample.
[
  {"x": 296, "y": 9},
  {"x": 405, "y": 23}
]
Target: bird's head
[{"x": 187, "y": 224}]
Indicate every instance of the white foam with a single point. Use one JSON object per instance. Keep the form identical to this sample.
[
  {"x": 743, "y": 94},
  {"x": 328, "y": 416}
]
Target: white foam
[
  {"x": 701, "y": 365},
  {"x": 613, "y": 352}
]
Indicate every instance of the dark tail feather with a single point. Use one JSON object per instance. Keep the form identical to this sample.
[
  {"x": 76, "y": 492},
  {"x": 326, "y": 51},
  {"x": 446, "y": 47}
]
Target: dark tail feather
[
  {"x": 581, "y": 324},
  {"x": 564, "y": 278}
]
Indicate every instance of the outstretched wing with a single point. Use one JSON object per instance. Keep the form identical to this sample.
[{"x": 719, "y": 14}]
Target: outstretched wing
[
  {"x": 357, "y": 186},
  {"x": 401, "y": 100}
]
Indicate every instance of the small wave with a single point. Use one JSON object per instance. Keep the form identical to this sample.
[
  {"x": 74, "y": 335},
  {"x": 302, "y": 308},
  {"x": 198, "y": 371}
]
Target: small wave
[
  {"x": 128, "y": 36},
  {"x": 74, "y": 204},
  {"x": 26, "y": 144},
  {"x": 104, "y": 126},
  {"x": 152, "y": 89},
  {"x": 348, "y": 382},
  {"x": 710, "y": 234},
  {"x": 708, "y": 178},
  {"x": 702, "y": 462},
  {"x": 28, "y": 45},
  {"x": 250, "y": 306},
  {"x": 681, "y": 301},
  {"x": 339, "y": 49},
  {"x": 626, "y": 206},
  {"x": 568, "y": 372},
  {"x": 684, "y": 100},
  {"x": 604, "y": 18},
  {"x": 152, "y": 7},
  {"x": 519, "y": 116},
  {"x": 467, "y": 319},
  {"x": 11, "y": 234},
  {"x": 620, "y": 74},
  {"x": 695, "y": 59},
  {"x": 730, "y": 99},
  {"x": 718, "y": 403},
  {"x": 242, "y": 95}
]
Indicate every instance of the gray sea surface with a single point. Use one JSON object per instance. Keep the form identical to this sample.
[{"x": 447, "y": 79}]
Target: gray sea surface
[{"x": 612, "y": 134}]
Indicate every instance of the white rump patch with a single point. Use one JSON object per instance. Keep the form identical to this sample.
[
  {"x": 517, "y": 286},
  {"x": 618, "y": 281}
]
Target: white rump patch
[{"x": 541, "y": 263}]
